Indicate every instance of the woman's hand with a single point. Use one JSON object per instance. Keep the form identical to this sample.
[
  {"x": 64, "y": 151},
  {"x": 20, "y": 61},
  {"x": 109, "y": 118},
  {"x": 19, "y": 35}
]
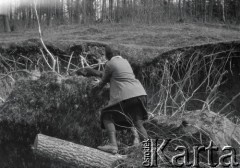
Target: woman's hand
[
  {"x": 95, "y": 83},
  {"x": 87, "y": 71}
]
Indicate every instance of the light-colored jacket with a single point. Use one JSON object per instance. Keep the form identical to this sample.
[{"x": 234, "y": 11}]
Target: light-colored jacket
[{"x": 123, "y": 84}]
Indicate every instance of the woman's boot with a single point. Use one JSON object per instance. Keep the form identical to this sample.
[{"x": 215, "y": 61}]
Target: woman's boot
[{"x": 112, "y": 146}]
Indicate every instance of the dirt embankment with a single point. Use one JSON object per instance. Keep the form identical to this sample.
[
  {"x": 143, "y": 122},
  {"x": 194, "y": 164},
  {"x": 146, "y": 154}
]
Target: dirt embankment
[{"x": 183, "y": 79}]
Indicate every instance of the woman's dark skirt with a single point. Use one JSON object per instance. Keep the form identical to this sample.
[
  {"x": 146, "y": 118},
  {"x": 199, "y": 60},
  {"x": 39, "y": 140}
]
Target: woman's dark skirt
[{"x": 124, "y": 113}]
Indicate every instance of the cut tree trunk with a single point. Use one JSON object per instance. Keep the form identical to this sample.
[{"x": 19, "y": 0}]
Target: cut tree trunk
[{"x": 72, "y": 154}]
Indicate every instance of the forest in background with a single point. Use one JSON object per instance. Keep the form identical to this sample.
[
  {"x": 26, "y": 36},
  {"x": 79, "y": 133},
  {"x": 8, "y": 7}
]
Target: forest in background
[{"x": 17, "y": 14}]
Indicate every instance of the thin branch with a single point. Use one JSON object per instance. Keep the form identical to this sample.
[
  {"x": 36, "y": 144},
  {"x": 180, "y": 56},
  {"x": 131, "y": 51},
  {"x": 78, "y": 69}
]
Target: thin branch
[
  {"x": 41, "y": 39},
  {"x": 90, "y": 66},
  {"x": 217, "y": 53},
  {"x": 58, "y": 68},
  {"x": 95, "y": 65},
  {"x": 2, "y": 99},
  {"x": 70, "y": 64},
  {"x": 26, "y": 58},
  {"x": 84, "y": 60},
  {"x": 8, "y": 74},
  {"x": 38, "y": 61},
  {"x": 236, "y": 96},
  {"x": 13, "y": 61},
  {"x": 82, "y": 63},
  {"x": 69, "y": 61},
  {"x": 46, "y": 60}
]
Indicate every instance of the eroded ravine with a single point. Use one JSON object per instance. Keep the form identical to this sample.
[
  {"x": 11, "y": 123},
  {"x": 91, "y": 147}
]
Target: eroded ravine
[{"x": 200, "y": 73}]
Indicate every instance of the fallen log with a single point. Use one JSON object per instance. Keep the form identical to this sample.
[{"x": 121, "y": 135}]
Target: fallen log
[
  {"x": 72, "y": 154},
  {"x": 218, "y": 128}
]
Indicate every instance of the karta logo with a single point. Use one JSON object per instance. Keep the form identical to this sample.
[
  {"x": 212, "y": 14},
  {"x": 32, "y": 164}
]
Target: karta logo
[{"x": 153, "y": 150}]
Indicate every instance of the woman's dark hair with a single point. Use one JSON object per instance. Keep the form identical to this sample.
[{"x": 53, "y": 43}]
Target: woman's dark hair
[{"x": 108, "y": 52}]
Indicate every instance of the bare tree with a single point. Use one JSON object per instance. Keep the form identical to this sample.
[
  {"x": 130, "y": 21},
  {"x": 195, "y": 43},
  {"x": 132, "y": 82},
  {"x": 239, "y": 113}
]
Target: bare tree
[
  {"x": 5, "y": 21},
  {"x": 145, "y": 11},
  {"x": 111, "y": 10},
  {"x": 184, "y": 9},
  {"x": 180, "y": 10},
  {"x": 211, "y": 3},
  {"x": 205, "y": 11},
  {"x": 49, "y": 16},
  {"x": 104, "y": 8},
  {"x": 77, "y": 11},
  {"x": 169, "y": 9},
  {"x": 223, "y": 10},
  {"x": 237, "y": 7}
]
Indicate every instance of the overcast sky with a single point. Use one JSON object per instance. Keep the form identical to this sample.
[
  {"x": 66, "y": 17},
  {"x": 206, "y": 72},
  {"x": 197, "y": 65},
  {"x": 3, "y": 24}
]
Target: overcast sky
[{"x": 5, "y": 4}]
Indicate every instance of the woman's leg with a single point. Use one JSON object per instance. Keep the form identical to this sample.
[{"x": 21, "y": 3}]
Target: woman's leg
[
  {"x": 138, "y": 123},
  {"x": 135, "y": 110},
  {"x": 136, "y": 139},
  {"x": 111, "y": 131},
  {"x": 110, "y": 127}
]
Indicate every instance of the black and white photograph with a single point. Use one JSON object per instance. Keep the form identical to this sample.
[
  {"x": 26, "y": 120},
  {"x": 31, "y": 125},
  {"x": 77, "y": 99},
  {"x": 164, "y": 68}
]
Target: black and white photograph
[{"x": 119, "y": 83}]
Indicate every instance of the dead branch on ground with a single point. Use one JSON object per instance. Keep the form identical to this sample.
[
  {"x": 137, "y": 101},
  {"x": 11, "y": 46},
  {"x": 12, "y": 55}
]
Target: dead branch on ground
[
  {"x": 9, "y": 74},
  {"x": 2, "y": 99},
  {"x": 69, "y": 63}
]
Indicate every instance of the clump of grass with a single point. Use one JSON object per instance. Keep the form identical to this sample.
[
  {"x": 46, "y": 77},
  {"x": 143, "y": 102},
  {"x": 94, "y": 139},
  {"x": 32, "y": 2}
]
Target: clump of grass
[{"x": 59, "y": 106}]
